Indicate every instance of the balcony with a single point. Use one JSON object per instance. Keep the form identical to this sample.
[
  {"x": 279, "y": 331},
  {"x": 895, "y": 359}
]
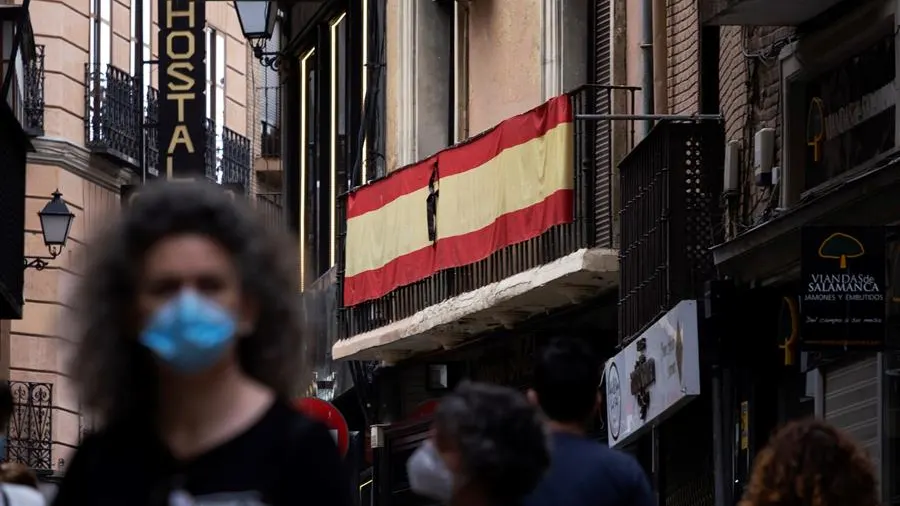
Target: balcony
[
  {"x": 762, "y": 12},
  {"x": 25, "y": 95},
  {"x": 512, "y": 223},
  {"x": 270, "y": 208},
  {"x": 112, "y": 123},
  {"x": 235, "y": 161},
  {"x": 30, "y": 431},
  {"x": 671, "y": 218},
  {"x": 212, "y": 160}
]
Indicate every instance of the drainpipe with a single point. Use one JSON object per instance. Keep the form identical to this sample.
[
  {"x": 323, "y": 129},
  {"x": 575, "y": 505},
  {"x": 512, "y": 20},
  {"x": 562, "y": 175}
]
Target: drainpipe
[
  {"x": 660, "y": 58},
  {"x": 647, "y": 51}
]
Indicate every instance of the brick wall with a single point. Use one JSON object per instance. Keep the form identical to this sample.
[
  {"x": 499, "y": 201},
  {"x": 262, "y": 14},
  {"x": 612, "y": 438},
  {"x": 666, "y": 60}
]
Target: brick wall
[
  {"x": 750, "y": 99},
  {"x": 683, "y": 36}
]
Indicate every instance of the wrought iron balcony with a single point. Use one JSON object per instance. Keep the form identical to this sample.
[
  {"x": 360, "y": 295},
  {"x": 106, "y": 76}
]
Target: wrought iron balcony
[
  {"x": 152, "y": 135},
  {"x": 270, "y": 207},
  {"x": 30, "y": 431},
  {"x": 235, "y": 162},
  {"x": 584, "y": 242},
  {"x": 34, "y": 94},
  {"x": 112, "y": 122},
  {"x": 670, "y": 220},
  {"x": 270, "y": 141},
  {"x": 762, "y": 12}
]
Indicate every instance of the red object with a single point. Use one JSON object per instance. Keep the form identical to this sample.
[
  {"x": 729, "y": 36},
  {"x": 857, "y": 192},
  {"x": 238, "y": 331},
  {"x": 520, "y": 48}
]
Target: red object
[
  {"x": 424, "y": 409},
  {"x": 326, "y": 413},
  {"x": 470, "y": 247}
]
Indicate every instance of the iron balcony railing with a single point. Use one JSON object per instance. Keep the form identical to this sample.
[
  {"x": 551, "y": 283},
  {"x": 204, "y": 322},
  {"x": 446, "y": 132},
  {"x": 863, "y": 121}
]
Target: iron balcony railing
[
  {"x": 270, "y": 208},
  {"x": 592, "y": 226},
  {"x": 112, "y": 122},
  {"x": 270, "y": 141},
  {"x": 670, "y": 218},
  {"x": 235, "y": 164},
  {"x": 216, "y": 148},
  {"x": 34, "y": 94},
  {"x": 30, "y": 431}
]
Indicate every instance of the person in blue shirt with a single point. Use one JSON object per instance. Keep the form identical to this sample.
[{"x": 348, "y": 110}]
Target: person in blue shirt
[{"x": 583, "y": 472}]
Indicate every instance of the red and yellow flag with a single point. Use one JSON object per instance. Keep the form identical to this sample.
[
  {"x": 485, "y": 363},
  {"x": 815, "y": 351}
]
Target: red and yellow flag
[{"x": 508, "y": 185}]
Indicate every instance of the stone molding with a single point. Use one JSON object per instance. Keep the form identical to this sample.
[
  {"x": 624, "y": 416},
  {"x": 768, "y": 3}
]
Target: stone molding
[{"x": 79, "y": 160}]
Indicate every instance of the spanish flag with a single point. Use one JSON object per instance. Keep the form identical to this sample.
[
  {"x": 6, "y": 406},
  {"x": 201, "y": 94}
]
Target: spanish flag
[{"x": 503, "y": 187}]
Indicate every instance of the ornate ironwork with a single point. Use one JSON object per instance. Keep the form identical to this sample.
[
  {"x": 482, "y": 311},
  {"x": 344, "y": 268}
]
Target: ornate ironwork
[
  {"x": 236, "y": 164},
  {"x": 112, "y": 123},
  {"x": 30, "y": 432},
  {"x": 34, "y": 94},
  {"x": 151, "y": 133},
  {"x": 212, "y": 148}
]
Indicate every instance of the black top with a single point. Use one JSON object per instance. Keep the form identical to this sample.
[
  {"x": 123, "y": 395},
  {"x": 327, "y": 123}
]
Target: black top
[
  {"x": 284, "y": 459},
  {"x": 586, "y": 473}
]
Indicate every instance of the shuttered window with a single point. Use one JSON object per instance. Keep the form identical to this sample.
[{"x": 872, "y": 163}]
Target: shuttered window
[{"x": 601, "y": 69}]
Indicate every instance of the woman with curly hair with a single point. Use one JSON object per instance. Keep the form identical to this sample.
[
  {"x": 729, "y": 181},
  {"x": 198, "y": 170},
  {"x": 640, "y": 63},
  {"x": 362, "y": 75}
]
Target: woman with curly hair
[
  {"x": 488, "y": 448},
  {"x": 811, "y": 463},
  {"x": 188, "y": 345}
]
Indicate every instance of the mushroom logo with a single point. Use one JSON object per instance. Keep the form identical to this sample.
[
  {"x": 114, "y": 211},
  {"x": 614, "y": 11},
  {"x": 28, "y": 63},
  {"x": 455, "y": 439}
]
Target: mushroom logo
[{"x": 841, "y": 247}]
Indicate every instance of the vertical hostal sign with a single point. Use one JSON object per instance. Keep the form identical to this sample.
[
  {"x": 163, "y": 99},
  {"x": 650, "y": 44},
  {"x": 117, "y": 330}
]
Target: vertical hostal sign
[{"x": 182, "y": 88}]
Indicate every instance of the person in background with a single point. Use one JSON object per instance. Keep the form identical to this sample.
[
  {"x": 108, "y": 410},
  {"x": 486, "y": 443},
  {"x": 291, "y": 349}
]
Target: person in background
[
  {"x": 583, "y": 472},
  {"x": 488, "y": 448},
  {"x": 188, "y": 347},
  {"x": 18, "y": 483},
  {"x": 811, "y": 463},
  {"x": 19, "y": 474}
]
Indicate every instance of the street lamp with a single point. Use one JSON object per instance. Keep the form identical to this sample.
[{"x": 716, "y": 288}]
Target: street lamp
[
  {"x": 56, "y": 221},
  {"x": 258, "y": 24}
]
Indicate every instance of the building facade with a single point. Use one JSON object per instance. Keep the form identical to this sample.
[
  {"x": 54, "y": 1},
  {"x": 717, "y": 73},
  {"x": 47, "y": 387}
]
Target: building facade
[{"x": 87, "y": 148}]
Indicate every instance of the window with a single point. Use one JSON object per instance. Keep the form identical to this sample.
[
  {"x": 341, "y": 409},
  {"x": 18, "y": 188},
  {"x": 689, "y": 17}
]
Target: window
[
  {"x": 313, "y": 220},
  {"x": 144, "y": 5},
  {"x": 433, "y": 55},
  {"x": 215, "y": 85},
  {"x": 565, "y": 58},
  {"x": 101, "y": 33}
]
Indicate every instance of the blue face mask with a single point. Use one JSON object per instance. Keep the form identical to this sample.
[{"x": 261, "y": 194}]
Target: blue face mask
[{"x": 190, "y": 333}]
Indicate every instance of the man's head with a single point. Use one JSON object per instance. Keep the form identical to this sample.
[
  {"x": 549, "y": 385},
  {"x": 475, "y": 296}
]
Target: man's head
[{"x": 566, "y": 379}]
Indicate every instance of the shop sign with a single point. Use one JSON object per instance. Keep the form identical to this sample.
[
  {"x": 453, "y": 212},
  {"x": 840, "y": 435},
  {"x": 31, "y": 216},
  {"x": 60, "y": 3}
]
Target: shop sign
[
  {"x": 182, "y": 88},
  {"x": 843, "y": 272},
  {"x": 850, "y": 113},
  {"x": 654, "y": 376}
]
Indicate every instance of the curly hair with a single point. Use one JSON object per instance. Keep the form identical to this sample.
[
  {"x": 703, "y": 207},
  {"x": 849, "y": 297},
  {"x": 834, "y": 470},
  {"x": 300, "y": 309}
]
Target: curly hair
[
  {"x": 502, "y": 440},
  {"x": 811, "y": 463},
  {"x": 115, "y": 376}
]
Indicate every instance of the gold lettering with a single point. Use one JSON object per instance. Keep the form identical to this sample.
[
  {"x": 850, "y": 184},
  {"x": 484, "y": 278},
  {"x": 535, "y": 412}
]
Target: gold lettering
[
  {"x": 172, "y": 13},
  {"x": 182, "y": 80},
  {"x": 170, "y": 45},
  {"x": 181, "y": 136},
  {"x": 181, "y": 98}
]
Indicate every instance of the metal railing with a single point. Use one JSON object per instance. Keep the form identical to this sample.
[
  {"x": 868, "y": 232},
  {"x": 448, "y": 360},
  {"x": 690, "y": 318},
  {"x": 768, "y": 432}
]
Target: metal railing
[
  {"x": 592, "y": 227},
  {"x": 235, "y": 163},
  {"x": 670, "y": 218},
  {"x": 112, "y": 123},
  {"x": 34, "y": 94},
  {"x": 270, "y": 141},
  {"x": 30, "y": 431},
  {"x": 271, "y": 210}
]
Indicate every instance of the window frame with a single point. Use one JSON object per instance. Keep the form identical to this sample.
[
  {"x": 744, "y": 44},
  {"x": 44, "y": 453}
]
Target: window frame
[{"x": 101, "y": 21}]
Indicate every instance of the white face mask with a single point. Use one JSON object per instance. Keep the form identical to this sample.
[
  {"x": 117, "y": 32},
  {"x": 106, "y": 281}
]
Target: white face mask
[{"x": 429, "y": 475}]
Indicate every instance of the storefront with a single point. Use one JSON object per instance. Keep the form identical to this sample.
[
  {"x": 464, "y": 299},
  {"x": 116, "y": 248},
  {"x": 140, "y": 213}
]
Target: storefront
[{"x": 815, "y": 317}]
